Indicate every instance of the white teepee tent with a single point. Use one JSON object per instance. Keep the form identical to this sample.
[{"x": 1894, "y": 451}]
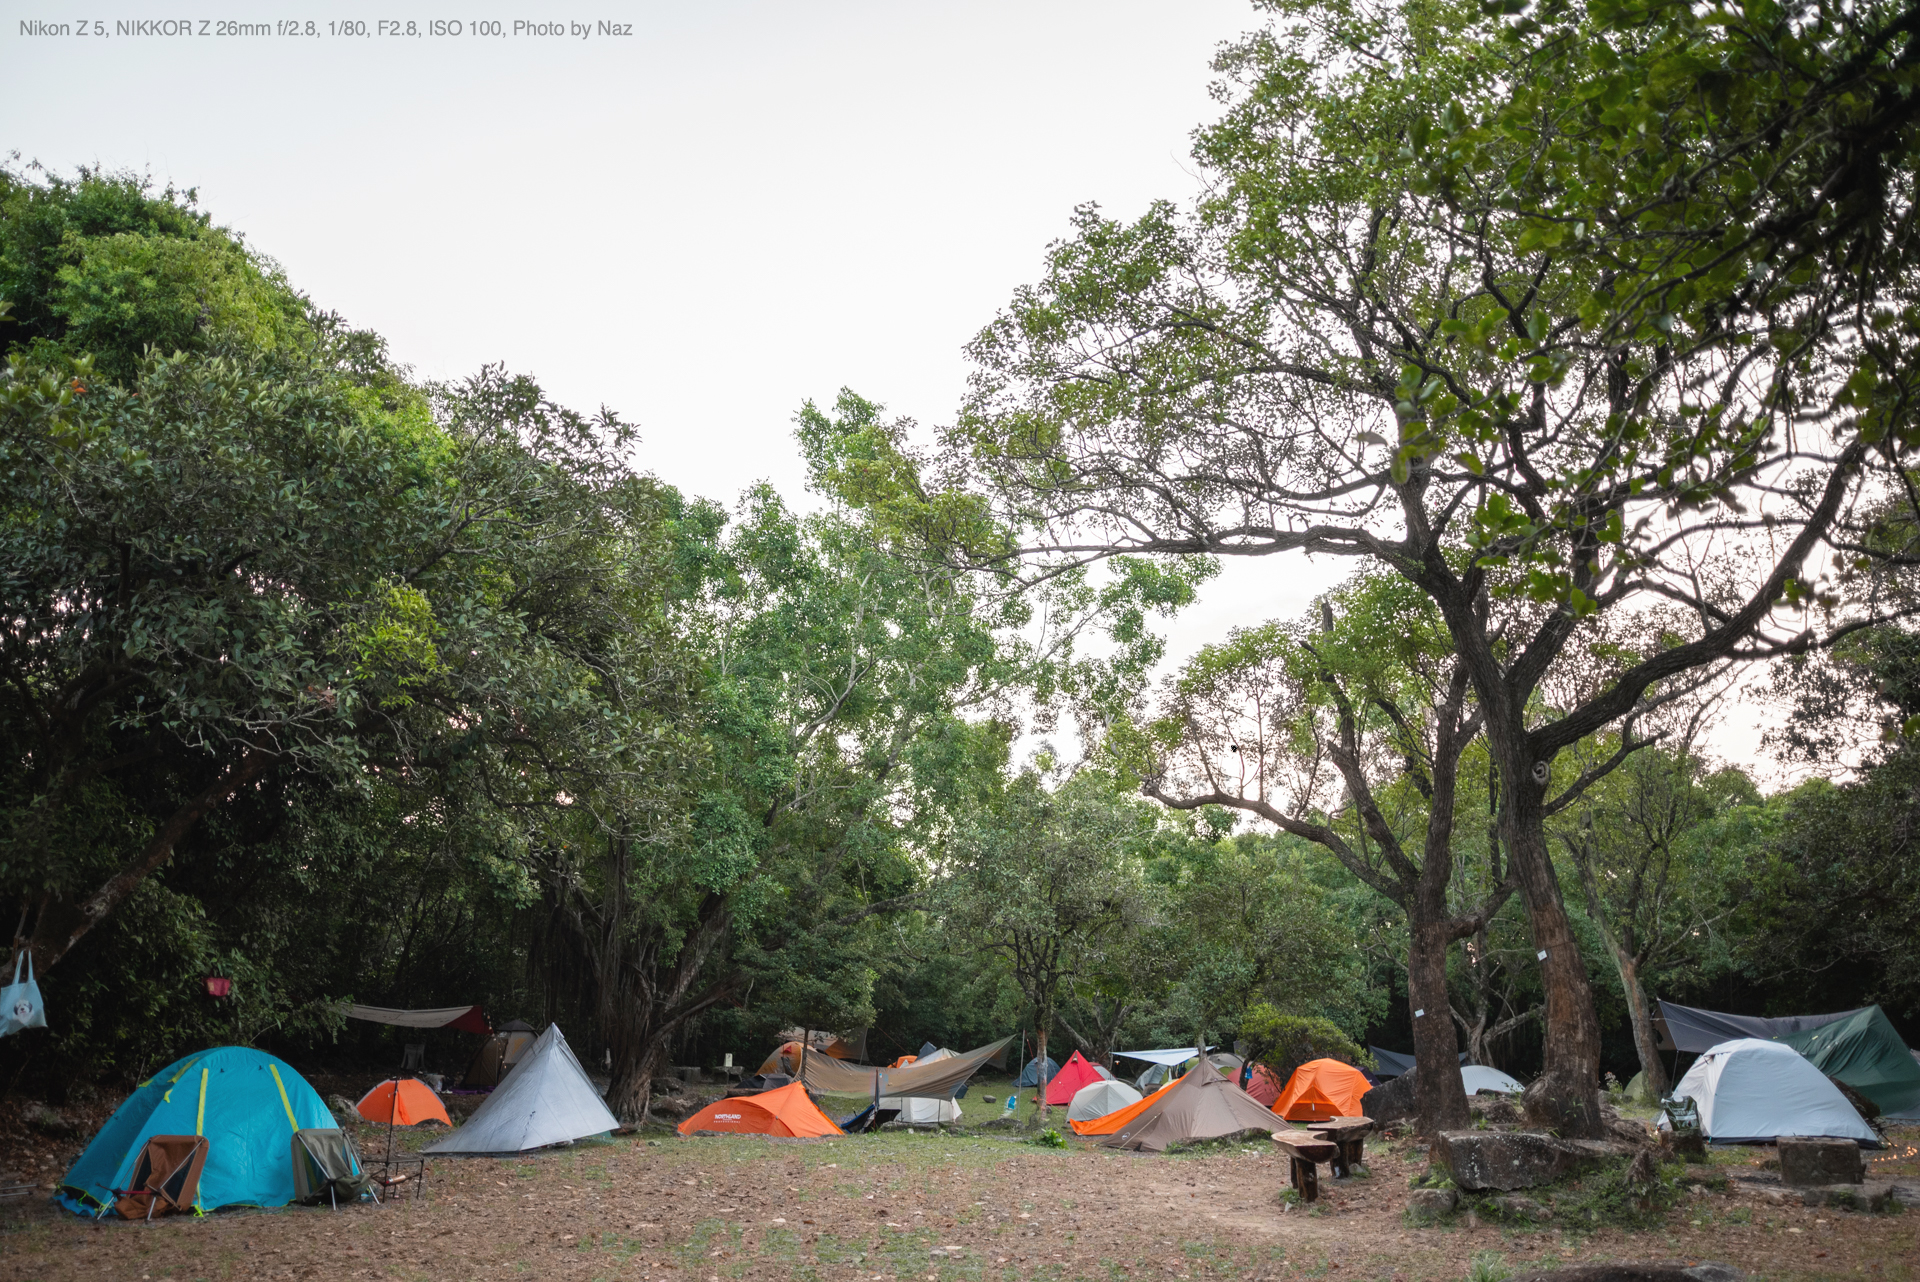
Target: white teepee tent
[{"x": 546, "y": 1099}]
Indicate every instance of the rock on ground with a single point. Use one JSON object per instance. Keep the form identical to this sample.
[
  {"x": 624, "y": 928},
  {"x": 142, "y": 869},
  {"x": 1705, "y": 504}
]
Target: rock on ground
[
  {"x": 1391, "y": 1100},
  {"x": 1516, "y": 1207},
  {"x": 1814, "y": 1160},
  {"x": 1508, "y": 1160},
  {"x": 1433, "y": 1201}
]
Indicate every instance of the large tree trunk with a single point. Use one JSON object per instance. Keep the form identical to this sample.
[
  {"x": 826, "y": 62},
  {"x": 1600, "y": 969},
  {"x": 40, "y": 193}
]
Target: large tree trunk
[
  {"x": 1641, "y": 1011},
  {"x": 1438, "y": 1092},
  {"x": 1566, "y": 1096}
]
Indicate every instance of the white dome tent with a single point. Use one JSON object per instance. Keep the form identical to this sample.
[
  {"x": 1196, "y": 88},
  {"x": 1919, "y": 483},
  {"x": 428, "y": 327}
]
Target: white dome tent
[
  {"x": 1097, "y": 1099},
  {"x": 1751, "y": 1091},
  {"x": 1479, "y": 1077}
]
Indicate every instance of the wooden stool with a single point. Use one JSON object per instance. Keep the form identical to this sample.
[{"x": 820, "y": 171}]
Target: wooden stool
[{"x": 1306, "y": 1150}]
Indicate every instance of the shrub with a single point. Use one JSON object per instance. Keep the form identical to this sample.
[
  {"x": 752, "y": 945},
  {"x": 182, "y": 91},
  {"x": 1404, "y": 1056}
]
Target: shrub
[{"x": 1285, "y": 1042}]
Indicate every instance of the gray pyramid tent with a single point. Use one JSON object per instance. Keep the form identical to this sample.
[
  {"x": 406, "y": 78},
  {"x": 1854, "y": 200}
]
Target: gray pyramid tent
[
  {"x": 547, "y": 1099},
  {"x": 1203, "y": 1105}
]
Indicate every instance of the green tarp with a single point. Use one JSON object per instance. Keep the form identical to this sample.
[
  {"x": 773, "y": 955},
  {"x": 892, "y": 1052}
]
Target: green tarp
[{"x": 1865, "y": 1052}]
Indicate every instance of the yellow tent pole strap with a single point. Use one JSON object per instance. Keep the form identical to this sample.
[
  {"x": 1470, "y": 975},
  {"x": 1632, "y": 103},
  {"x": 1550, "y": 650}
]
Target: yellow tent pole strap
[
  {"x": 200, "y": 1121},
  {"x": 284, "y": 1101}
]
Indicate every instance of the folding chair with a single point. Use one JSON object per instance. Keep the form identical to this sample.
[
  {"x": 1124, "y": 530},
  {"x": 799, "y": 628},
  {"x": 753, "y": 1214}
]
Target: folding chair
[
  {"x": 166, "y": 1178},
  {"x": 414, "y": 1057},
  {"x": 326, "y": 1168}
]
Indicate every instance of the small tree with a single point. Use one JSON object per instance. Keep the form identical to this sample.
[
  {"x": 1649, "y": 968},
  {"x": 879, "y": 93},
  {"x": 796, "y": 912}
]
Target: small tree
[
  {"x": 1051, "y": 882},
  {"x": 1284, "y": 1042}
]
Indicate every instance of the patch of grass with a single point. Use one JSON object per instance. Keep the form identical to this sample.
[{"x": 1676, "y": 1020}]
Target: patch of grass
[{"x": 1489, "y": 1266}]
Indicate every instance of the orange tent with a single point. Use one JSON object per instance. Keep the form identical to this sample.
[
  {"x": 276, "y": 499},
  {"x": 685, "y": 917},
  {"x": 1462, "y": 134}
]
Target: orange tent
[
  {"x": 405, "y": 1102},
  {"x": 785, "y": 1059},
  {"x": 1118, "y": 1120},
  {"x": 786, "y": 1111},
  {"x": 903, "y": 1061},
  {"x": 1073, "y": 1074},
  {"x": 1322, "y": 1088},
  {"x": 1263, "y": 1084}
]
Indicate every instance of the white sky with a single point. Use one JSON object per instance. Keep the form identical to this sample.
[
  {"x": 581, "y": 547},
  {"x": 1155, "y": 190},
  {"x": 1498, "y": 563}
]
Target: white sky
[{"x": 740, "y": 206}]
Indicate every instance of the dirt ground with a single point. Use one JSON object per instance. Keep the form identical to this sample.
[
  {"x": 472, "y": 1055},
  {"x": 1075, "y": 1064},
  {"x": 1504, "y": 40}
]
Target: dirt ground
[{"x": 931, "y": 1205}]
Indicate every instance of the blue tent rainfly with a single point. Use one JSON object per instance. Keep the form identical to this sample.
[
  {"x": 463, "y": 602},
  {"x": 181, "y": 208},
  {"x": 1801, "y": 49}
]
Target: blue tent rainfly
[{"x": 246, "y": 1102}]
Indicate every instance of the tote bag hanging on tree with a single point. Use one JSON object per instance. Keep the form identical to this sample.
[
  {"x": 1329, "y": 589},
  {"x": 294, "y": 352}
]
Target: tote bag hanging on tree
[{"x": 20, "y": 1004}]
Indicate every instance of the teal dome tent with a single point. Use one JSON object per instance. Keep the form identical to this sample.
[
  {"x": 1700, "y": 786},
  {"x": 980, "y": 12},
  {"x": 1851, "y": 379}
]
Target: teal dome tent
[{"x": 246, "y": 1102}]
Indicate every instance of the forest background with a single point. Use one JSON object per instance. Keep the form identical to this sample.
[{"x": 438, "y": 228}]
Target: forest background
[{"x": 346, "y": 685}]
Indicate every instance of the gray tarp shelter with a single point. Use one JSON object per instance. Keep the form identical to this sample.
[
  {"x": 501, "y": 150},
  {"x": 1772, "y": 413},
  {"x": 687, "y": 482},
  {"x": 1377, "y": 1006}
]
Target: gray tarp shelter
[
  {"x": 828, "y": 1076},
  {"x": 1393, "y": 1063},
  {"x": 547, "y": 1099},
  {"x": 1695, "y": 1032},
  {"x": 468, "y": 1019}
]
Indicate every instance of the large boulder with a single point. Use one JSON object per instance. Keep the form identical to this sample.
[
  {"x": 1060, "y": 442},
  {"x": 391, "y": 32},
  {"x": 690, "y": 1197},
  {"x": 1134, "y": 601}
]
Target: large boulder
[
  {"x": 1391, "y": 1100},
  {"x": 1508, "y": 1160},
  {"x": 1814, "y": 1160}
]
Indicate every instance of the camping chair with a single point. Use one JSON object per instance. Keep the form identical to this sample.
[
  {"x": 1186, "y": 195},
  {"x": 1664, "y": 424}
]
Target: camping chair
[
  {"x": 414, "y": 1057},
  {"x": 166, "y": 1178},
  {"x": 325, "y": 1167}
]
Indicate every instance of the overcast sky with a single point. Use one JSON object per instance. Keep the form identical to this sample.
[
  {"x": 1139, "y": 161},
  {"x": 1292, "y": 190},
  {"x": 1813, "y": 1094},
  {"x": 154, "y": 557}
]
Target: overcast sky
[{"x": 700, "y": 224}]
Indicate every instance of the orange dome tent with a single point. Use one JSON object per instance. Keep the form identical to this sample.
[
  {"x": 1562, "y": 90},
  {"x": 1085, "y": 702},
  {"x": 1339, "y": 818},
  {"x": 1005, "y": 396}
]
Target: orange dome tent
[
  {"x": 1118, "y": 1119},
  {"x": 1073, "y": 1074},
  {"x": 785, "y": 1059},
  {"x": 786, "y": 1111},
  {"x": 404, "y": 1102},
  {"x": 1263, "y": 1084},
  {"x": 1322, "y": 1088}
]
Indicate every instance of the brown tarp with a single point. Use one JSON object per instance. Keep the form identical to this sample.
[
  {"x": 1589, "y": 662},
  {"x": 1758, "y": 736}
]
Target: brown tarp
[
  {"x": 1203, "y": 1105},
  {"x": 937, "y": 1080}
]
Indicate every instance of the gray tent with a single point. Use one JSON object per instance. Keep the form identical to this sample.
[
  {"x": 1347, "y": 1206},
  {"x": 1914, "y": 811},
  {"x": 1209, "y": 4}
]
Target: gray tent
[
  {"x": 1203, "y": 1105},
  {"x": 547, "y": 1099}
]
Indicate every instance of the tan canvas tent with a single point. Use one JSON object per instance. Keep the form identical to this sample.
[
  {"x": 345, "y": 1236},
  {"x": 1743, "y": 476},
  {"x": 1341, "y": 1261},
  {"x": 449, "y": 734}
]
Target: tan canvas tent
[
  {"x": 1203, "y": 1105},
  {"x": 935, "y": 1080}
]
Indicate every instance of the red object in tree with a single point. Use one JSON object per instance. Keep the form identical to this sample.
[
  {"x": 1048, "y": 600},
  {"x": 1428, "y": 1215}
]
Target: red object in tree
[{"x": 219, "y": 986}]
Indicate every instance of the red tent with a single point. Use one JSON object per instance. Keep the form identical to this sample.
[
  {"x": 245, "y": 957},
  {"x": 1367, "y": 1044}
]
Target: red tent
[
  {"x": 1073, "y": 1074},
  {"x": 1263, "y": 1085}
]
